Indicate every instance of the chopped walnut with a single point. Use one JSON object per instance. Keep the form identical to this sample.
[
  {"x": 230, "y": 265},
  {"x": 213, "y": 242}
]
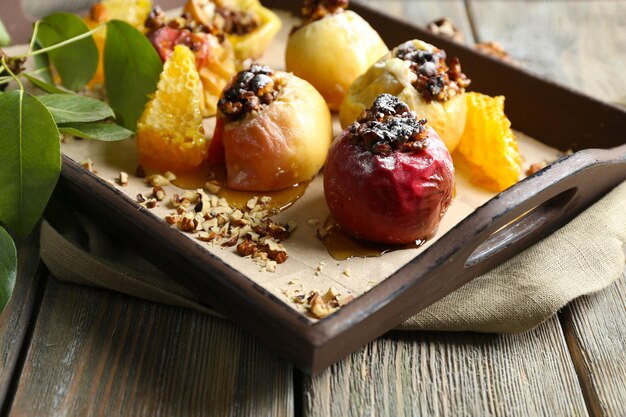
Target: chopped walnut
[
  {"x": 151, "y": 203},
  {"x": 88, "y": 165},
  {"x": 172, "y": 219},
  {"x": 536, "y": 167},
  {"x": 122, "y": 179},
  {"x": 158, "y": 193},
  {"x": 157, "y": 180},
  {"x": 446, "y": 27},
  {"x": 496, "y": 50},
  {"x": 188, "y": 223},
  {"x": 320, "y": 306}
]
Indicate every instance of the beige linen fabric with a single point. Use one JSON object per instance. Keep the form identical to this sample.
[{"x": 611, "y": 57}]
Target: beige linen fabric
[{"x": 584, "y": 256}]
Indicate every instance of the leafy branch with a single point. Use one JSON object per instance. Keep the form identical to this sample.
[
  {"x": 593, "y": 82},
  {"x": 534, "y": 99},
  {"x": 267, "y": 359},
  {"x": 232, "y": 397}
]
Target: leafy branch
[{"x": 30, "y": 126}]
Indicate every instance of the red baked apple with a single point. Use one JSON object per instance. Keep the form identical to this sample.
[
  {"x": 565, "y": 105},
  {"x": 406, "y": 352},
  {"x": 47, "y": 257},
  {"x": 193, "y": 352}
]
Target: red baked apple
[{"x": 389, "y": 177}]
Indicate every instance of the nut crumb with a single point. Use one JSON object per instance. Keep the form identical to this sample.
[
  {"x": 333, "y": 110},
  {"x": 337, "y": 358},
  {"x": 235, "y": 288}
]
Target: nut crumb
[
  {"x": 151, "y": 203},
  {"x": 538, "y": 166},
  {"x": 496, "y": 50},
  {"x": 140, "y": 172},
  {"x": 446, "y": 27},
  {"x": 270, "y": 266},
  {"x": 157, "y": 181},
  {"x": 122, "y": 179},
  {"x": 88, "y": 165},
  {"x": 212, "y": 186},
  {"x": 313, "y": 222},
  {"x": 141, "y": 198},
  {"x": 172, "y": 218},
  {"x": 347, "y": 272},
  {"x": 159, "y": 193}
]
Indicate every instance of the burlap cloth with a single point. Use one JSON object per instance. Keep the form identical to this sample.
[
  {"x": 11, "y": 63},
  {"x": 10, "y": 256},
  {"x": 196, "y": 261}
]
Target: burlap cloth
[{"x": 583, "y": 257}]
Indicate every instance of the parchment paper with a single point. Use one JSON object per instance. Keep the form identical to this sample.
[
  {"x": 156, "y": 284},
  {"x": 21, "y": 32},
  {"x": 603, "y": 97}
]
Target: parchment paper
[{"x": 306, "y": 253}]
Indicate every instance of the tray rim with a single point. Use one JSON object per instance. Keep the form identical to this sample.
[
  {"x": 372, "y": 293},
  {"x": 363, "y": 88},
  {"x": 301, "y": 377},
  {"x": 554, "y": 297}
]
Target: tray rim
[{"x": 312, "y": 351}]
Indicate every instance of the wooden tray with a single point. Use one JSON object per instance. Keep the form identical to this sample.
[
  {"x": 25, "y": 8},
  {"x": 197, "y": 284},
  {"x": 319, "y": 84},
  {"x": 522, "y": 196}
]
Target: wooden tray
[{"x": 507, "y": 224}]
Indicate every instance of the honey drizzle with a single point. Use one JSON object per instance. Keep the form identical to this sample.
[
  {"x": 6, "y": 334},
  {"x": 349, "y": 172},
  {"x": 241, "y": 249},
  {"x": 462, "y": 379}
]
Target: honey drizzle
[
  {"x": 281, "y": 199},
  {"x": 342, "y": 246}
]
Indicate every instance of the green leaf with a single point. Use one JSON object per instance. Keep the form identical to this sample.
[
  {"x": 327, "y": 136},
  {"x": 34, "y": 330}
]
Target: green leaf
[
  {"x": 8, "y": 267},
  {"x": 67, "y": 108},
  {"x": 30, "y": 160},
  {"x": 76, "y": 63},
  {"x": 5, "y": 39},
  {"x": 131, "y": 71},
  {"x": 106, "y": 132},
  {"x": 45, "y": 85}
]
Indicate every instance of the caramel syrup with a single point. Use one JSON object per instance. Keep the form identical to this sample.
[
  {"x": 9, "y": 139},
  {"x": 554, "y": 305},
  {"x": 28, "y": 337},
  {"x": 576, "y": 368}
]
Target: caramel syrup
[
  {"x": 216, "y": 174},
  {"x": 342, "y": 246}
]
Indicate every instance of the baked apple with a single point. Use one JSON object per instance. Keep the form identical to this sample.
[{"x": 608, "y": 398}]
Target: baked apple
[
  {"x": 416, "y": 72},
  {"x": 389, "y": 178},
  {"x": 248, "y": 25},
  {"x": 273, "y": 130},
  {"x": 215, "y": 60},
  {"x": 332, "y": 48}
]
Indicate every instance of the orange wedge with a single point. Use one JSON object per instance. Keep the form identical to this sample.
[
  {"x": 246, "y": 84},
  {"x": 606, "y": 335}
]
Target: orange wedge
[
  {"x": 170, "y": 136},
  {"x": 487, "y": 147}
]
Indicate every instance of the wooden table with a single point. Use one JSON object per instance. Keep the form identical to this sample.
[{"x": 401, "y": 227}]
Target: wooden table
[{"x": 67, "y": 350}]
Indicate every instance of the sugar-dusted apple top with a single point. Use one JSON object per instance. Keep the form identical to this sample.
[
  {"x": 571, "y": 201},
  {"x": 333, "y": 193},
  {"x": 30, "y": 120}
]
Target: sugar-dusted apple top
[
  {"x": 388, "y": 177},
  {"x": 417, "y": 73},
  {"x": 331, "y": 48},
  {"x": 251, "y": 90},
  {"x": 388, "y": 126}
]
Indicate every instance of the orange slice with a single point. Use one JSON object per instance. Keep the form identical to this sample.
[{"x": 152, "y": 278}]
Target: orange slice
[
  {"x": 488, "y": 147},
  {"x": 170, "y": 136}
]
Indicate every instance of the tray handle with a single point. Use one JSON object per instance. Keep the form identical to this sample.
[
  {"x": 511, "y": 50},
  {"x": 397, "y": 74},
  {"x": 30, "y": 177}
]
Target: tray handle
[{"x": 522, "y": 215}]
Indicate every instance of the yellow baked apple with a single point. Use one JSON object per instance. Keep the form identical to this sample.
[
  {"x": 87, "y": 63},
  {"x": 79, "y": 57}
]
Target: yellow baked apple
[
  {"x": 273, "y": 130},
  {"x": 332, "y": 48},
  {"x": 415, "y": 72},
  {"x": 248, "y": 25}
]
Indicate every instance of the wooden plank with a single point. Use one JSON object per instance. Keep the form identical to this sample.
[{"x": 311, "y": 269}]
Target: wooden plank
[
  {"x": 591, "y": 38},
  {"x": 97, "y": 353},
  {"x": 16, "y": 317},
  {"x": 424, "y": 374},
  {"x": 422, "y": 12},
  {"x": 595, "y": 329},
  {"x": 581, "y": 44}
]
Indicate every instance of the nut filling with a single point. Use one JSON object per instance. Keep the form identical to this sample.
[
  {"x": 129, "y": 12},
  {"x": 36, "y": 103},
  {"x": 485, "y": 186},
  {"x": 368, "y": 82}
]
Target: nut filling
[
  {"x": 388, "y": 126},
  {"x": 250, "y": 91},
  {"x": 235, "y": 22},
  {"x": 317, "y": 9},
  {"x": 435, "y": 80}
]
